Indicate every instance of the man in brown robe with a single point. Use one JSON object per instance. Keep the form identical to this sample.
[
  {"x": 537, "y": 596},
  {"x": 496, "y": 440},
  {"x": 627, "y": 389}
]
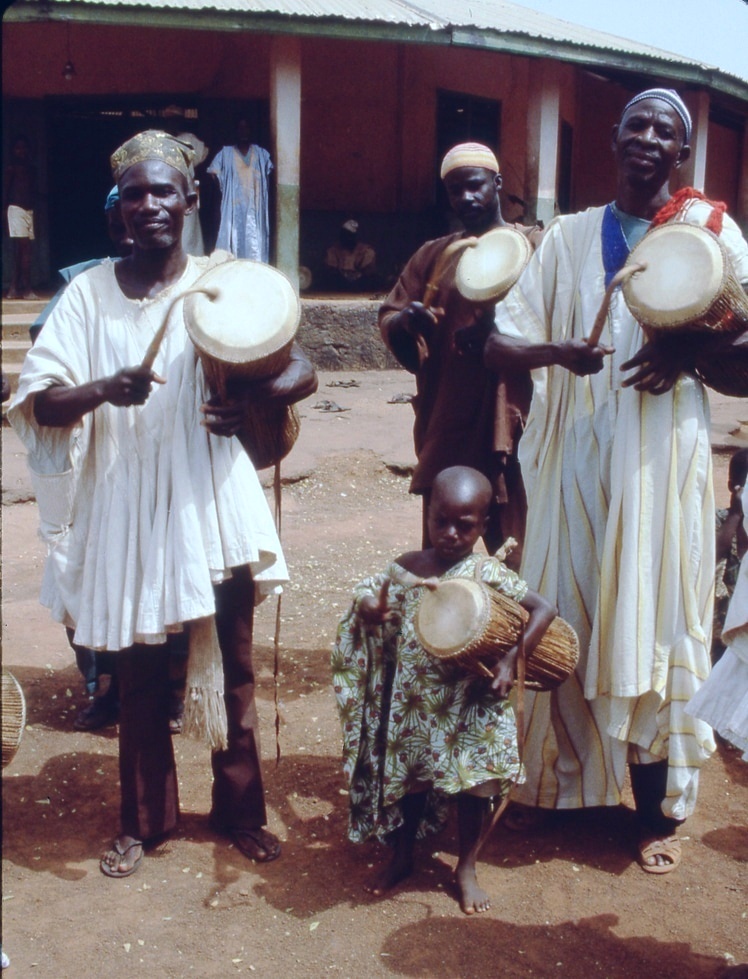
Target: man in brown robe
[{"x": 466, "y": 415}]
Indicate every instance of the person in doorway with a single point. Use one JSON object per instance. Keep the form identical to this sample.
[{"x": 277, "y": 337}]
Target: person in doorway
[
  {"x": 19, "y": 195},
  {"x": 243, "y": 174}
]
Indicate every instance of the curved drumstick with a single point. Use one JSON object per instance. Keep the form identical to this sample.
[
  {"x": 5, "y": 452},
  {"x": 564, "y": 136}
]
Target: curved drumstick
[
  {"x": 440, "y": 267},
  {"x": 152, "y": 352},
  {"x": 602, "y": 313}
]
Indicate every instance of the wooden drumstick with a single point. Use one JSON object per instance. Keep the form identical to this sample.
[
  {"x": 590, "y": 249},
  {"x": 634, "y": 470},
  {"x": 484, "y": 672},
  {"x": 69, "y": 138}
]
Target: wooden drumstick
[
  {"x": 153, "y": 348},
  {"x": 602, "y": 314},
  {"x": 440, "y": 267}
]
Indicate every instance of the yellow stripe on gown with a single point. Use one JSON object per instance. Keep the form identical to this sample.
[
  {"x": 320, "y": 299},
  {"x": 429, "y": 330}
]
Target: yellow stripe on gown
[{"x": 627, "y": 552}]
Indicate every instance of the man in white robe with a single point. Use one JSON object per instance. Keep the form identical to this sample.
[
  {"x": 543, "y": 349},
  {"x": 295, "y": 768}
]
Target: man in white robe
[
  {"x": 153, "y": 513},
  {"x": 620, "y": 531}
]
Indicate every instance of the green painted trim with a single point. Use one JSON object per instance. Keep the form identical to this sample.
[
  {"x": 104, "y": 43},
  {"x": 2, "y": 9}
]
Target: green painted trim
[
  {"x": 287, "y": 238},
  {"x": 208, "y": 19}
]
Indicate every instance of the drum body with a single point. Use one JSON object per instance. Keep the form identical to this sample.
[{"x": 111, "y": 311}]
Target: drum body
[
  {"x": 13, "y": 716},
  {"x": 242, "y": 317},
  {"x": 687, "y": 282},
  {"x": 462, "y": 621},
  {"x": 488, "y": 270}
]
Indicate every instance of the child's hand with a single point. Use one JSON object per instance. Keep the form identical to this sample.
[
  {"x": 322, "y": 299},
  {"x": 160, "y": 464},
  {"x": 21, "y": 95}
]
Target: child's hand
[
  {"x": 374, "y": 611},
  {"x": 736, "y": 502},
  {"x": 503, "y": 674}
]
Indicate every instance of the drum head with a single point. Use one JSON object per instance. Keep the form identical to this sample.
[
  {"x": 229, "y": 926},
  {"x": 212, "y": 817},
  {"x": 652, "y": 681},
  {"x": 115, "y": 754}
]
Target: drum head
[
  {"x": 451, "y": 616},
  {"x": 254, "y": 313},
  {"x": 685, "y": 273},
  {"x": 489, "y": 269}
]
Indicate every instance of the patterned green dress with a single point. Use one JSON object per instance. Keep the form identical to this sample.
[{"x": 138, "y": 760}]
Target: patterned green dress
[{"x": 411, "y": 722}]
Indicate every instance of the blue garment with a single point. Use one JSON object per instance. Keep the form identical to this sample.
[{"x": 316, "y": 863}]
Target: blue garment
[{"x": 245, "y": 220}]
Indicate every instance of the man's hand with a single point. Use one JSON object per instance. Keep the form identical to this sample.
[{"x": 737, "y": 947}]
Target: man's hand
[
  {"x": 419, "y": 320},
  {"x": 659, "y": 366},
  {"x": 223, "y": 417},
  {"x": 130, "y": 386},
  {"x": 296, "y": 381},
  {"x": 580, "y": 358}
]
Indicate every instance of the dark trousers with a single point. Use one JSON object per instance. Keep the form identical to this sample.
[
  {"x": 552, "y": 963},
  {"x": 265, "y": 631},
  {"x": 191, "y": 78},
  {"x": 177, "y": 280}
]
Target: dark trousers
[{"x": 150, "y": 804}]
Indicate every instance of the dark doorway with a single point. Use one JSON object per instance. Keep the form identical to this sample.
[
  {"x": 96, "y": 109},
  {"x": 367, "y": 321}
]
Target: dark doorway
[
  {"x": 464, "y": 118},
  {"x": 84, "y": 132}
]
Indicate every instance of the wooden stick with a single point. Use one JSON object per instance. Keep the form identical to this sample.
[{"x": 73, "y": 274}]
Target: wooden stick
[
  {"x": 153, "y": 348},
  {"x": 597, "y": 326}
]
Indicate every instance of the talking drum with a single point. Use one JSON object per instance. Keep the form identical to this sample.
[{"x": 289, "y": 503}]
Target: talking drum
[
  {"x": 490, "y": 266},
  {"x": 686, "y": 281},
  {"x": 242, "y": 317},
  {"x": 463, "y": 621},
  {"x": 13, "y": 716}
]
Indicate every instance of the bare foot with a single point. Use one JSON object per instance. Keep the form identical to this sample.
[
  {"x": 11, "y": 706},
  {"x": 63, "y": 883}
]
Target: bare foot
[
  {"x": 472, "y": 897},
  {"x": 123, "y": 859},
  {"x": 398, "y": 869}
]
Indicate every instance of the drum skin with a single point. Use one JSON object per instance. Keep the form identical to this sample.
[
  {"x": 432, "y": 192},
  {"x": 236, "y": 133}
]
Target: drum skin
[
  {"x": 247, "y": 317},
  {"x": 687, "y": 281},
  {"x": 462, "y": 621},
  {"x": 488, "y": 270}
]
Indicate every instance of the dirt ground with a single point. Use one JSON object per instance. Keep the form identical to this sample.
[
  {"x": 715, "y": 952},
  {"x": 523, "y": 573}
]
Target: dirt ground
[{"x": 567, "y": 901}]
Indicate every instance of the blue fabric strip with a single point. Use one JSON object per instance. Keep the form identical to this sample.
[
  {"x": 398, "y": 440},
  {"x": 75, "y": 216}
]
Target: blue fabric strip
[{"x": 615, "y": 249}]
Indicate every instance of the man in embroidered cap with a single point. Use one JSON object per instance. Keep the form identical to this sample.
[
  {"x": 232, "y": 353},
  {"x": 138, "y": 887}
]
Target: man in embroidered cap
[
  {"x": 620, "y": 531},
  {"x": 466, "y": 415},
  {"x": 154, "y": 515}
]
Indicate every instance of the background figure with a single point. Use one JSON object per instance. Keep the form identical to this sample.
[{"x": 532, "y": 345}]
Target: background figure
[
  {"x": 192, "y": 233},
  {"x": 722, "y": 701},
  {"x": 732, "y": 543},
  {"x": 19, "y": 193},
  {"x": 243, "y": 174},
  {"x": 350, "y": 264}
]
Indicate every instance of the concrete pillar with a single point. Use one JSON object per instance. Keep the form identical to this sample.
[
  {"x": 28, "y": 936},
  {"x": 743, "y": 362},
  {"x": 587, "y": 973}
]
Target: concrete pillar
[
  {"x": 285, "y": 119},
  {"x": 543, "y": 123},
  {"x": 693, "y": 171}
]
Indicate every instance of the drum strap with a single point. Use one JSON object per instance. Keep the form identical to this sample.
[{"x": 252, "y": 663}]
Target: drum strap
[
  {"x": 520, "y": 717},
  {"x": 519, "y": 713},
  {"x": 277, "y": 492}
]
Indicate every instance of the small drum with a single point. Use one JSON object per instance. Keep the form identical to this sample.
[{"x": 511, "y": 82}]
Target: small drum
[
  {"x": 463, "y": 620},
  {"x": 687, "y": 281},
  {"x": 242, "y": 317},
  {"x": 13, "y": 716},
  {"x": 487, "y": 271}
]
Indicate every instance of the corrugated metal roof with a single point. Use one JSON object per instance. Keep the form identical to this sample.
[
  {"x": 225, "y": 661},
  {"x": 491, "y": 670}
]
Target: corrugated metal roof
[{"x": 497, "y": 24}]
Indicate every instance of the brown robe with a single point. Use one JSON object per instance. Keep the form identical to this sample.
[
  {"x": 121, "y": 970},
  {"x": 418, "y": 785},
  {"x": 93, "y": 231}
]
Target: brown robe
[{"x": 465, "y": 414}]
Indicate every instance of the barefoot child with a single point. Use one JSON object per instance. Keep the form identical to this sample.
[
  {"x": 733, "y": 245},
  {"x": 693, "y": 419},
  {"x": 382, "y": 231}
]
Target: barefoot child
[{"x": 417, "y": 730}]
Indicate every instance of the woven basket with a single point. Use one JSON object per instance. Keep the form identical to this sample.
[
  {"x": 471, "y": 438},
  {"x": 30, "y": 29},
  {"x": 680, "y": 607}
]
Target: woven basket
[{"x": 13, "y": 716}]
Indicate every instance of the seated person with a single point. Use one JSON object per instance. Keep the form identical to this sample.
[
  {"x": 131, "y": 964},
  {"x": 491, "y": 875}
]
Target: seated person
[{"x": 350, "y": 265}]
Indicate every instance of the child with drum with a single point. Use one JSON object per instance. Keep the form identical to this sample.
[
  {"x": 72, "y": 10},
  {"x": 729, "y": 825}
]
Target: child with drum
[{"x": 418, "y": 730}]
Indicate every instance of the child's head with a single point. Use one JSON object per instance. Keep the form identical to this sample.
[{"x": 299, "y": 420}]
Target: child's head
[
  {"x": 738, "y": 471},
  {"x": 458, "y": 511}
]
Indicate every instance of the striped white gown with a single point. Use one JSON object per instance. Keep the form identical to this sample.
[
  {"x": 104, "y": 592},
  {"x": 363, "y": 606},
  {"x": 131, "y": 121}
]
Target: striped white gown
[{"x": 620, "y": 536}]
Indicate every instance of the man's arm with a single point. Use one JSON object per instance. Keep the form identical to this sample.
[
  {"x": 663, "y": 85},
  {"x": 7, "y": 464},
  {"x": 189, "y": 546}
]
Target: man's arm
[
  {"x": 59, "y": 406},
  {"x": 503, "y": 353}
]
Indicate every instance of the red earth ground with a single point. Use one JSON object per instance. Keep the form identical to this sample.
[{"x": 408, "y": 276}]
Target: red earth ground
[{"x": 568, "y": 901}]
